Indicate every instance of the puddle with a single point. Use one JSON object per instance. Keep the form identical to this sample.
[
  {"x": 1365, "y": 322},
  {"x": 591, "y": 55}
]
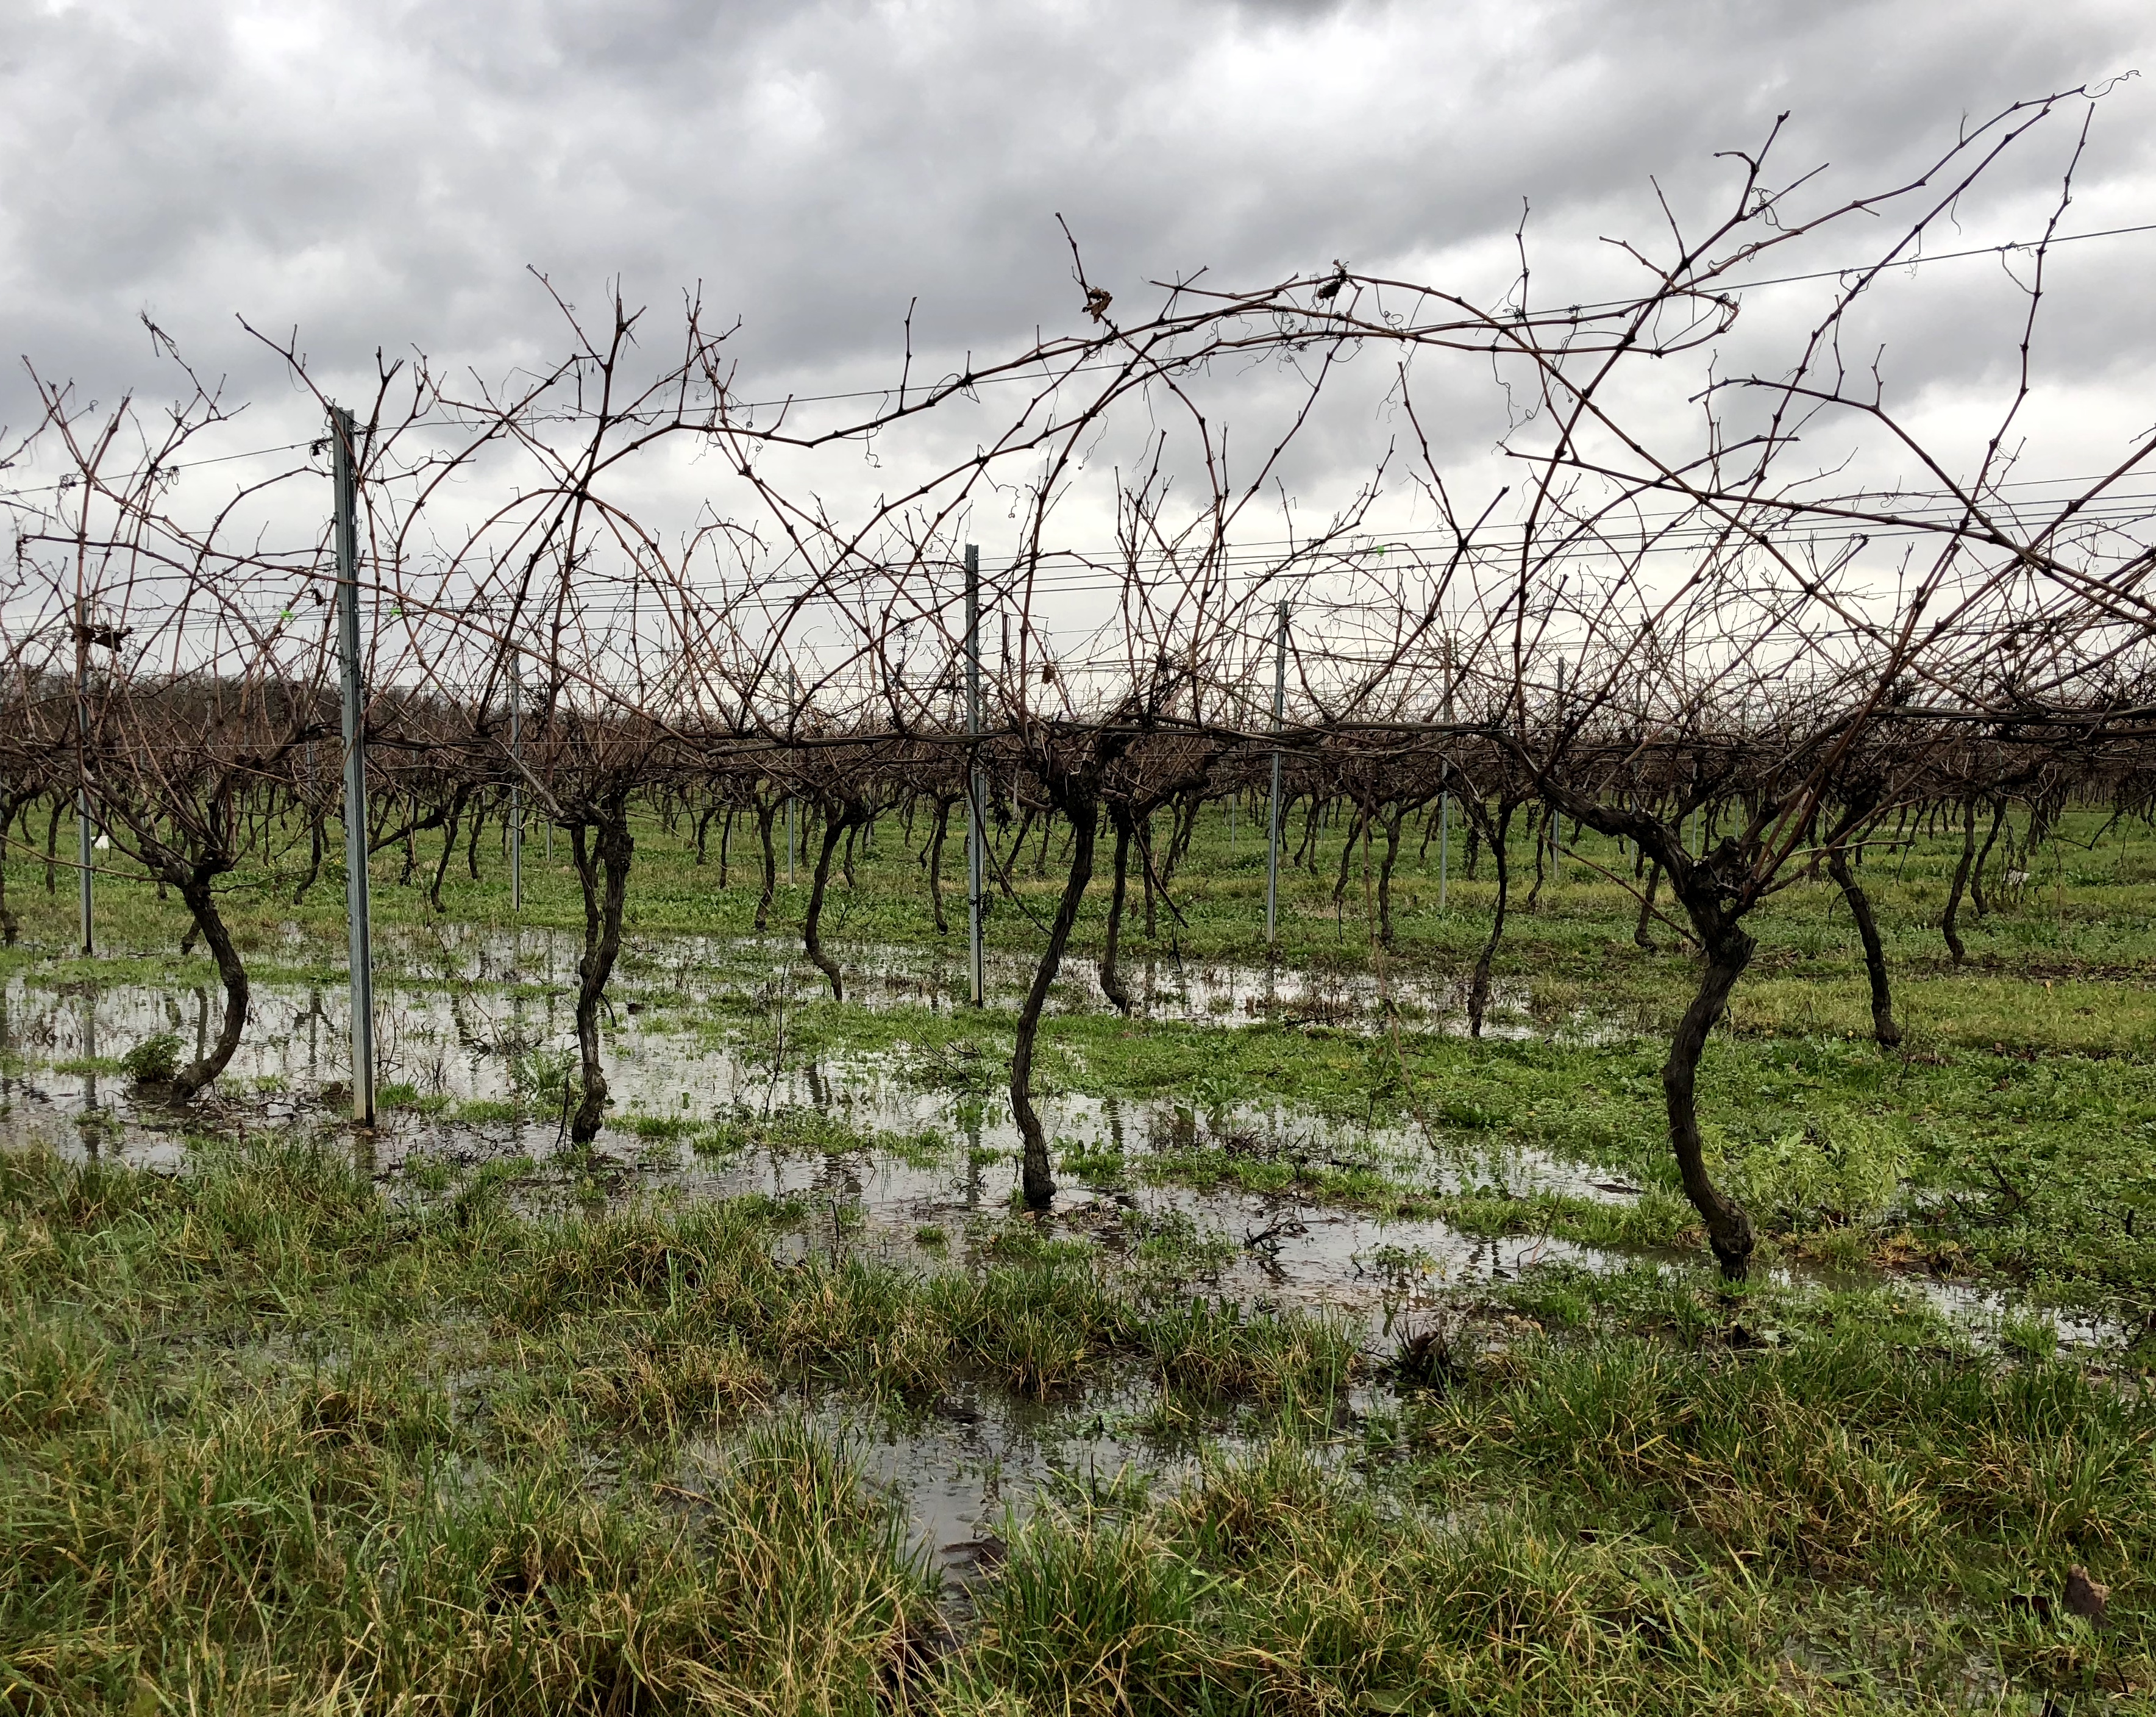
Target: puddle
[
  {"x": 932, "y": 1159},
  {"x": 908, "y": 1157},
  {"x": 442, "y": 1046},
  {"x": 927, "y": 1173},
  {"x": 699, "y": 968},
  {"x": 1983, "y": 1312},
  {"x": 979, "y": 1461}
]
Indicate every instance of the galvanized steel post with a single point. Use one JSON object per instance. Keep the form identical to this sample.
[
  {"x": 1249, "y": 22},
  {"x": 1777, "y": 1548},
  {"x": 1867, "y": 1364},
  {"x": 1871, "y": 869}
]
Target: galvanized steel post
[
  {"x": 82, "y": 766},
  {"x": 342, "y": 433},
  {"x": 976, "y": 786},
  {"x": 1273, "y": 822},
  {"x": 517, "y": 781},
  {"x": 1444, "y": 798}
]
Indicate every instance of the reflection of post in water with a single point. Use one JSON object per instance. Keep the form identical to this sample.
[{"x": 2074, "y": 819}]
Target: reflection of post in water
[
  {"x": 202, "y": 1023},
  {"x": 519, "y": 1039},
  {"x": 89, "y": 1058},
  {"x": 969, "y": 1117},
  {"x": 1114, "y": 1111},
  {"x": 819, "y": 1094}
]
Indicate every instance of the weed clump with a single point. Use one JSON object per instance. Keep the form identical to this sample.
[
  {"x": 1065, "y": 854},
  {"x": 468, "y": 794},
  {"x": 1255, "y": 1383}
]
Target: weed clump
[{"x": 154, "y": 1060}]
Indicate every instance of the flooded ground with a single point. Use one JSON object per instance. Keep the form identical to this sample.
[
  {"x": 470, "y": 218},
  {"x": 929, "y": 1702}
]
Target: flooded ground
[
  {"x": 693, "y": 968},
  {"x": 905, "y": 1171},
  {"x": 465, "y": 1078},
  {"x": 889, "y": 1160}
]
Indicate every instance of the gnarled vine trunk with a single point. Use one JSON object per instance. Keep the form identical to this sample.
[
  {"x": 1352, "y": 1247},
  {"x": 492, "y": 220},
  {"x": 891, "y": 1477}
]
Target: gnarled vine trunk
[
  {"x": 1478, "y": 987},
  {"x": 1037, "y": 1183},
  {"x": 1385, "y": 876},
  {"x": 1875, "y": 953},
  {"x": 194, "y": 889},
  {"x": 766, "y": 815},
  {"x": 836, "y": 827},
  {"x": 1949, "y": 922},
  {"x": 1640, "y": 935},
  {"x": 1976, "y": 894},
  {"x": 1727, "y": 949},
  {"x": 603, "y": 870},
  {"x": 1111, "y": 977},
  {"x": 934, "y": 858}
]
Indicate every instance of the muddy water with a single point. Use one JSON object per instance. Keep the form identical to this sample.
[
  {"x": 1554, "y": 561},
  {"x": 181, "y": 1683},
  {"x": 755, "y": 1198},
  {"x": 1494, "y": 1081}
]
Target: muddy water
[
  {"x": 979, "y": 1460},
  {"x": 932, "y": 1175},
  {"x": 883, "y": 976},
  {"x": 939, "y": 1183},
  {"x": 956, "y": 1168}
]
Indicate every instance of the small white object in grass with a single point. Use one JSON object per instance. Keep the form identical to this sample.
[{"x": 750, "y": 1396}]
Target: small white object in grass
[{"x": 102, "y": 842}]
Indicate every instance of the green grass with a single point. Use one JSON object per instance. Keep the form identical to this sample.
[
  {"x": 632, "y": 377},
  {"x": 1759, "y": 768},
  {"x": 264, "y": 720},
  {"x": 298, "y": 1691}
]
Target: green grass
[
  {"x": 275, "y": 1444},
  {"x": 270, "y": 1437},
  {"x": 2007, "y": 1137},
  {"x": 273, "y": 1441}
]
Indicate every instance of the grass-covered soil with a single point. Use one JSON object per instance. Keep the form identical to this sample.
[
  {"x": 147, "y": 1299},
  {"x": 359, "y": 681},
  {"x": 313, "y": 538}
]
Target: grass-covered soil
[
  {"x": 276, "y": 1444},
  {"x": 273, "y": 1438}
]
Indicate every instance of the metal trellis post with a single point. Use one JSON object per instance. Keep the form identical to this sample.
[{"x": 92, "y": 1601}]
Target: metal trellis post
[
  {"x": 793, "y": 688},
  {"x": 1444, "y": 798},
  {"x": 82, "y": 765},
  {"x": 1273, "y": 821},
  {"x": 516, "y": 784},
  {"x": 976, "y": 786},
  {"x": 1556, "y": 821},
  {"x": 342, "y": 437}
]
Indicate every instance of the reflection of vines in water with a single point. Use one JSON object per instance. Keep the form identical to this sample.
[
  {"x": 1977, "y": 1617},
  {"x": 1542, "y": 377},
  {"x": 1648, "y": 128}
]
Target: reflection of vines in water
[{"x": 783, "y": 1001}]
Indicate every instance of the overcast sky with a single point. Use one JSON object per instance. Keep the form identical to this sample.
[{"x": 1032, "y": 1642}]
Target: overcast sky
[{"x": 384, "y": 175}]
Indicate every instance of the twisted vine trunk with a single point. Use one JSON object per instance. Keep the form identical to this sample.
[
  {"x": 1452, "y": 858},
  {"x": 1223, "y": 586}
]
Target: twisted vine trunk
[
  {"x": 1715, "y": 891},
  {"x": 1038, "y": 1185},
  {"x": 1535, "y": 829},
  {"x": 934, "y": 859},
  {"x": 1728, "y": 950},
  {"x": 1639, "y": 935},
  {"x": 193, "y": 885},
  {"x": 455, "y": 816},
  {"x": 1355, "y": 827},
  {"x": 1142, "y": 832},
  {"x": 1875, "y": 953},
  {"x": 766, "y": 815},
  {"x": 603, "y": 870},
  {"x": 1949, "y": 925},
  {"x": 835, "y": 829},
  {"x": 1385, "y": 876},
  {"x": 1976, "y": 895},
  {"x": 1478, "y": 988},
  {"x": 1111, "y": 977}
]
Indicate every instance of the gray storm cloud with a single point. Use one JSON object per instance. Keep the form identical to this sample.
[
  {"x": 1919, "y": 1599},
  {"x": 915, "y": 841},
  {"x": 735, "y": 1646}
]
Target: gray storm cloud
[
  {"x": 382, "y": 176},
  {"x": 387, "y": 178}
]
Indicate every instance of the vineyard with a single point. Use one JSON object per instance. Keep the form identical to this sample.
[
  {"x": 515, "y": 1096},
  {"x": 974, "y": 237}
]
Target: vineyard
[{"x": 941, "y": 1050}]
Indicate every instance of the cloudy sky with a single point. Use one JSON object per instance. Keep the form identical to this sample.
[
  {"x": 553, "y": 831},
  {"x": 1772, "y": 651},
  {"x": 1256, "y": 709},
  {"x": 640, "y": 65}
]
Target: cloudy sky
[{"x": 384, "y": 175}]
